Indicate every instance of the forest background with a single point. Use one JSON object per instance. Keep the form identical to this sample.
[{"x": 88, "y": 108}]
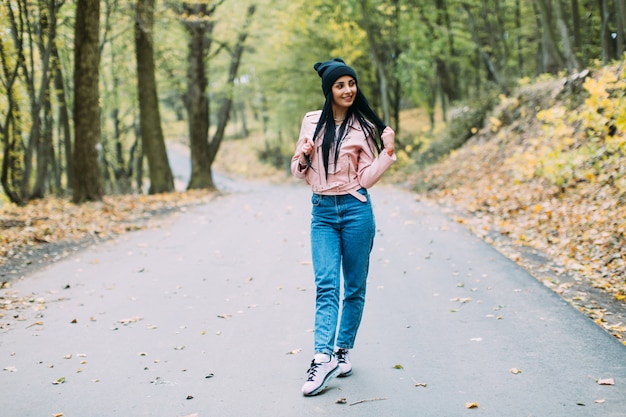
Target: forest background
[{"x": 510, "y": 113}]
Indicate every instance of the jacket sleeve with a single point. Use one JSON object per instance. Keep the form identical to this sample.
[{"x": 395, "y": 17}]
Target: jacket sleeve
[
  {"x": 371, "y": 167},
  {"x": 296, "y": 169},
  {"x": 306, "y": 132}
]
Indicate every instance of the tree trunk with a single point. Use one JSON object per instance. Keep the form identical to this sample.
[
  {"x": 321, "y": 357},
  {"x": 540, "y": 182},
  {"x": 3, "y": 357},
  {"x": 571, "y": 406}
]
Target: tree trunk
[
  {"x": 40, "y": 30},
  {"x": 224, "y": 112},
  {"x": 492, "y": 69},
  {"x": 568, "y": 51},
  {"x": 452, "y": 83},
  {"x": 199, "y": 26},
  {"x": 161, "y": 178},
  {"x": 605, "y": 36},
  {"x": 578, "y": 43},
  {"x": 44, "y": 142},
  {"x": 551, "y": 57},
  {"x": 65, "y": 138},
  {"x": 87, "y": 173},
  {"x": 13, "y": 142},
  {"x": 620, "y": 17},
  {"x": 379, "y": 62},
  {"x": 518, "y": 40}
]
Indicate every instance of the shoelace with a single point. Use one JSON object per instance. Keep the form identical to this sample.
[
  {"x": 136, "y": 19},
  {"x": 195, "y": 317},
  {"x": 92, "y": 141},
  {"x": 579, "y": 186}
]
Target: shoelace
[
  {"x": 341, "y": 355},
  {"x": 312, "y": 370}
]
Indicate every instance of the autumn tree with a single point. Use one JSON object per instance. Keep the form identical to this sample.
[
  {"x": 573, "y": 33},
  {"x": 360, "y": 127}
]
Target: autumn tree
[
  {"x": 87, "y": 173},
  {"x": 161, "y": 178}
]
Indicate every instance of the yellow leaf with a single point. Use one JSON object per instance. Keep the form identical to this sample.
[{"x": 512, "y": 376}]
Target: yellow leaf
[{"x": 471, "y": 405}]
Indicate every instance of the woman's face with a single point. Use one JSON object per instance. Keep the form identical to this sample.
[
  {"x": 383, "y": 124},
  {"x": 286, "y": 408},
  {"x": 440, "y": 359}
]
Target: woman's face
[{"x": 344, "y": 91}]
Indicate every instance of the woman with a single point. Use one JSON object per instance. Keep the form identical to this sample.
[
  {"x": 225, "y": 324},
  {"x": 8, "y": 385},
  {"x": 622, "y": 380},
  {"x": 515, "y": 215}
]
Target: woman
[{"x": 343, "y": 150}]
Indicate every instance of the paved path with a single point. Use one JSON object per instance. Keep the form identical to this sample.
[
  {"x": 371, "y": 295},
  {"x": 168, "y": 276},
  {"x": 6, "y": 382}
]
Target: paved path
[{"x": 211, "y": 315}]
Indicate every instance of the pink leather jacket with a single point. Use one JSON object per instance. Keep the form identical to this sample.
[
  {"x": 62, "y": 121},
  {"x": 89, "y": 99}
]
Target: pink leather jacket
[{"x": 357, "y": 165}]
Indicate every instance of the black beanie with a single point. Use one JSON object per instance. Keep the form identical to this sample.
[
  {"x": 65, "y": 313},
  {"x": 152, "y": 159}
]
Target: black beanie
[{"x": 329, "y": 71}]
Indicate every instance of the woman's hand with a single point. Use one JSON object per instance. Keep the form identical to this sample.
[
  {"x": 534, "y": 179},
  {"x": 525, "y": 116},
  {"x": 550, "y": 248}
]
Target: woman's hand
[
  {"x": 307, "y": 147},
  {"x": 388, "y": 137}
]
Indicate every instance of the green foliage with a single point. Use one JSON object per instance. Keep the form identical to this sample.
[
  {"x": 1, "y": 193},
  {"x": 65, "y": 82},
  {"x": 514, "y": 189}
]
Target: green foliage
[
  {"x": 465, "y": 121},
  {"x": 599, "y": 123}
]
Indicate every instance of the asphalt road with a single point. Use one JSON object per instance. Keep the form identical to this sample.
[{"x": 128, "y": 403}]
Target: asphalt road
[{"x": 212, "y": 315}]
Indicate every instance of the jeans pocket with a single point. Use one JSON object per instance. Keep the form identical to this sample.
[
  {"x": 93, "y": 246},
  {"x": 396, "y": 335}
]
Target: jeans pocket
[{"x": 316, "y": 199}]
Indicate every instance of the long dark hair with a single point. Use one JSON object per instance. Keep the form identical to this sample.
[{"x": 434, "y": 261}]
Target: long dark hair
[{"x": 360, "y": 110}]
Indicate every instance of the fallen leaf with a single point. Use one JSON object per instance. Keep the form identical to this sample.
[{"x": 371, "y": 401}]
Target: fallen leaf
[
  {"x": 606, "y": 381},
  {"x": 602, "y": 401},
  {"x": 130, "y": 320},
  {"x": 10, "y": 369},
  {"x": 59, "y": 381},
  {"x": 294, "y": 352},
  {"x": 398, "y": 366},
  {"x": 421, "y": 384},
  {"x": 190, "y": 397},
  {"x": 57, "y": 415},
  {"x": 471, "y": 405},
  {"x": 343, "y": 400},
  {"x": 515, "y": 371}
]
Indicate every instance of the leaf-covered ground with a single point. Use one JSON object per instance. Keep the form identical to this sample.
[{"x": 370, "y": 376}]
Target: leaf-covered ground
[
  {"x": 545, "y": 182},
  {"x": 50, "y": 229}
]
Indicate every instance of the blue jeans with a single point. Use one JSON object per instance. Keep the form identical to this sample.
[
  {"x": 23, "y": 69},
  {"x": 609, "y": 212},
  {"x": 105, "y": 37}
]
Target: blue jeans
[{"x": 342, "y": 236}]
